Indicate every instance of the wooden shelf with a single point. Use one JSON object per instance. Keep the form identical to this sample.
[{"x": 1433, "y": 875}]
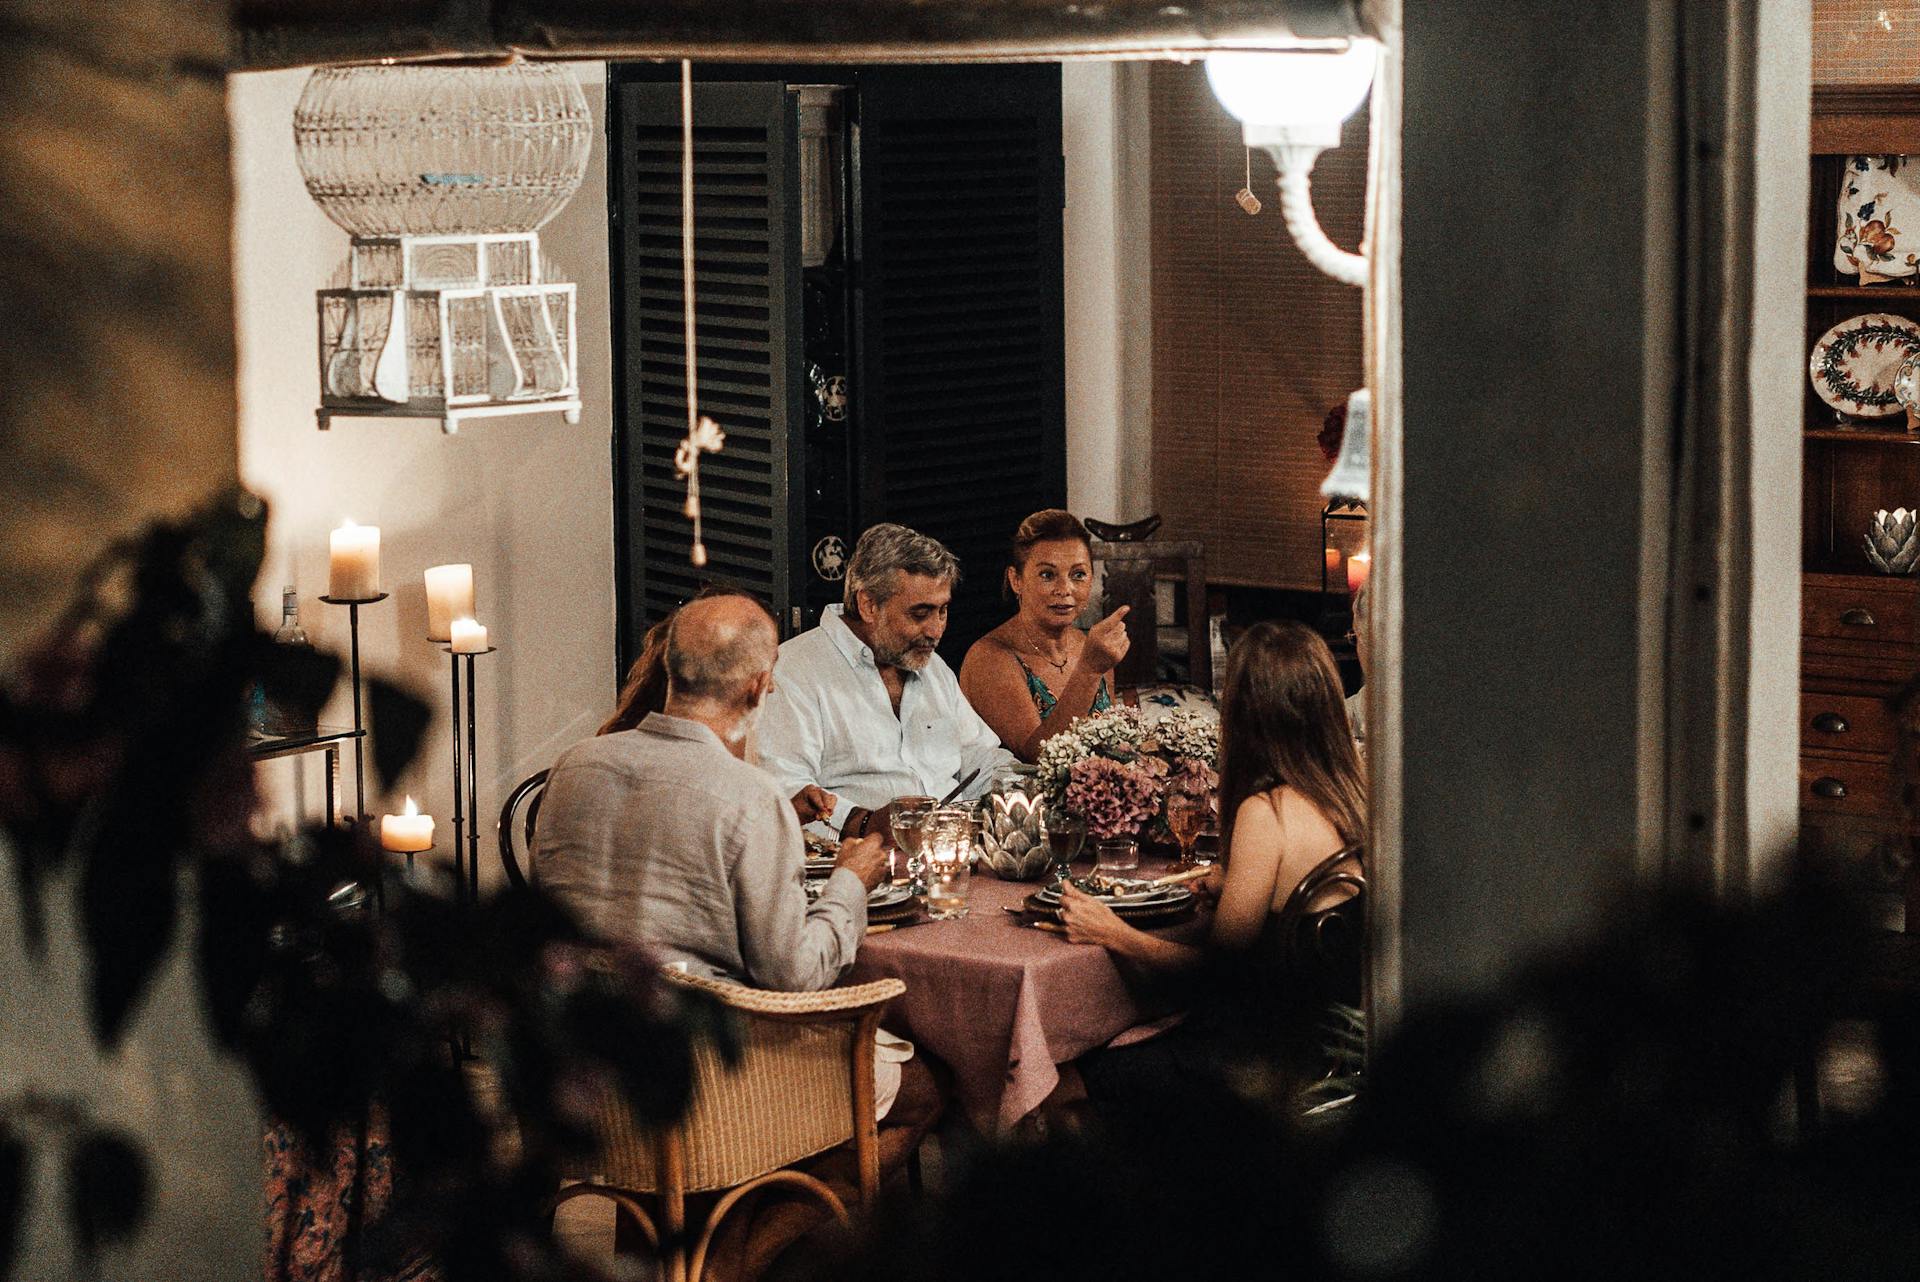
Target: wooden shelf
[
  {"x": 1901, "y": 294},
  {"x": 1865, "y": 434}
]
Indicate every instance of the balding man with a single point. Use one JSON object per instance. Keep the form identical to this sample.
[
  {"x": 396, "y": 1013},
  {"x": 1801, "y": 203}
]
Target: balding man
[{"x": 665, "y": 835}]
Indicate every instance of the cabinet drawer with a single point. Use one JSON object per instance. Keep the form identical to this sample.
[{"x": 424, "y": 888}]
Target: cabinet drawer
[
  {"x": 1845, "y": 723},
  {"x": 1833, "y": 785},
  {"x": 1856, "y": 609}
]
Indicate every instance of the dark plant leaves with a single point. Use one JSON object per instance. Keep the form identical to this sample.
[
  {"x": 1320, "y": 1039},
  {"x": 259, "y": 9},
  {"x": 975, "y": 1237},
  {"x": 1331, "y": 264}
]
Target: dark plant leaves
[
  {"x": 398, "y": 720},
  {"x": 15, "y": 1171},
  {"x": 108, "y": 1188},
  {"x": 128, "y": 911}
]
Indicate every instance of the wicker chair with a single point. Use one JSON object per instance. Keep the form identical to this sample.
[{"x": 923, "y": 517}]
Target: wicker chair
[{"x": 803, "y": 1085}]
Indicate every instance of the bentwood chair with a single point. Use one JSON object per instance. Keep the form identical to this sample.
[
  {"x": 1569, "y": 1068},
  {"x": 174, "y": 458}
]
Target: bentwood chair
[
  {"x": 1326, "y": 946},
  {"x": 803, "y": 1085},
  {"x": 1129, "y": 571},
  {"x": 517, "y": 817}
]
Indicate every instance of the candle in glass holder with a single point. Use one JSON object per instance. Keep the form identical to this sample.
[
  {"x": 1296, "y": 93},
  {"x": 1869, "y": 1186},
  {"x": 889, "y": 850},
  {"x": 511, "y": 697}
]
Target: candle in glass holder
[
  {"x": 1333, "y": 565},
  {"x": 449, "y": 597},
  {"x": 407, "y": 832},
  {"x": 1359, "y": 565},
  {"x": 468, "y": 637},
  {"x": 353, "y": 568},
  {"x": 948, "y": 847}
]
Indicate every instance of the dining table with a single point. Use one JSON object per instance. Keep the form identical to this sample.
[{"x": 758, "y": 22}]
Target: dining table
[{"x": 1004, "y": 1004}]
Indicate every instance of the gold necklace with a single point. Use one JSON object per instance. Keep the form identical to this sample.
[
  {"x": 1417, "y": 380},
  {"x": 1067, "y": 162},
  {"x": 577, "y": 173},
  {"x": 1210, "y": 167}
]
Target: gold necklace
[{"x": 1058, "y": 665}]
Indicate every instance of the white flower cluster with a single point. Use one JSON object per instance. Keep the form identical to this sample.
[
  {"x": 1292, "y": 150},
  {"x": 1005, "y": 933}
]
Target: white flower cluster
[
  {"x": 1115, "y": 733},
  {"x": 1190, "y": 736},
  {"x": 1119, "y": 734}
]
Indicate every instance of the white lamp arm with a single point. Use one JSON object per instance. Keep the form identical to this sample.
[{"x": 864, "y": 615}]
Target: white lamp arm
[{"x": 1294, "y": 165}]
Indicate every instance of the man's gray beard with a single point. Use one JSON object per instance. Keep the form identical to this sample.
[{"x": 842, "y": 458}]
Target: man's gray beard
[
  {"x": 908, "y": 659},
  {"x": 742, "y": 730}
]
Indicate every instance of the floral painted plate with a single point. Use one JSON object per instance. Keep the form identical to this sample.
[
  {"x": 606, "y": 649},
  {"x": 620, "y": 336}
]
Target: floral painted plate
[{"x": 1854, "y": 363}]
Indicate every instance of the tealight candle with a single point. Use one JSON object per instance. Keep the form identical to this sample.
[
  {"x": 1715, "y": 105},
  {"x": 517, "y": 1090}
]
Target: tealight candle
[
  {"x": 407, "y": 832},
  {"x": 1359, "y": 565},
  {"x": 449, "y": 597},
  {"x": 467, "y": 637},
  {"x": 353, "y": 571}
]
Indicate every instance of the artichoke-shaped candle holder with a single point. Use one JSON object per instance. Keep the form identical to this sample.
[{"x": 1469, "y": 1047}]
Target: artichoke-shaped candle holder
[
  {"x": 1893, "y": 542},
  {"x": 1012, "y": 839}
]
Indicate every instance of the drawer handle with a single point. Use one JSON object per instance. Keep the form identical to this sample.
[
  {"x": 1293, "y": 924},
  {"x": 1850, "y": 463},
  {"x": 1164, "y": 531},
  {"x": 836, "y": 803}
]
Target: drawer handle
[
  {"x": 1830, "y": 723},
  {"x": 1830, "y": 788},
  {"x": 1859, "y": 618}
]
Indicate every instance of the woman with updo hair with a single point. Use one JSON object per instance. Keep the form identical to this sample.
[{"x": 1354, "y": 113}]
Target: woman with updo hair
[{"x": 1037, "y": 673}]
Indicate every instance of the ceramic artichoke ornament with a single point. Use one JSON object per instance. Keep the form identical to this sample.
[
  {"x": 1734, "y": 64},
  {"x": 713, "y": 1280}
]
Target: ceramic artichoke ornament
[
  {"x": 1893, "y": 542},
  {"x": 1012, "y": 839}
]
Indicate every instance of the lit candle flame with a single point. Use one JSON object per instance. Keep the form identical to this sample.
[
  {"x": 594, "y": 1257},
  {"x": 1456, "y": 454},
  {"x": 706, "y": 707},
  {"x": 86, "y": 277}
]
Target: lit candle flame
[{"x": 411, "y": 809}]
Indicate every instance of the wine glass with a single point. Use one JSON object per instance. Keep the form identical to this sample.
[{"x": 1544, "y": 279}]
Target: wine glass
[
  {"x": 1187, "y": 814},
  {"x": 907, "y": 818},
  {"x": 1066, "y": 832}
]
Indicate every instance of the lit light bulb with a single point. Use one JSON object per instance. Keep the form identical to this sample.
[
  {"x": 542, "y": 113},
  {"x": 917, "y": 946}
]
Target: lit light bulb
[{"x": 1299, "y": 89}]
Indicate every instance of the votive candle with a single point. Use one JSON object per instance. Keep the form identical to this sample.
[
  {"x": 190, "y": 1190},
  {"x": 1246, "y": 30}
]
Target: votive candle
[
  {"x": 353, "y": 569},
  {"x": 407, "y": 832},
  {"x": 449, "y": 597},
  {"x": 467, "y": 637},
  {"x": 1333, "y": 565},
  {"x": 1359, "y": 565}
]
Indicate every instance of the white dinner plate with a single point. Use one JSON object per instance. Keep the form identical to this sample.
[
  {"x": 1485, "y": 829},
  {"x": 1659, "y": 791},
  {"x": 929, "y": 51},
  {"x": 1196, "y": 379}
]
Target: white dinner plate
[
  {"x": 1147, "y": 895},
  {"x": 889, "y": 895}
]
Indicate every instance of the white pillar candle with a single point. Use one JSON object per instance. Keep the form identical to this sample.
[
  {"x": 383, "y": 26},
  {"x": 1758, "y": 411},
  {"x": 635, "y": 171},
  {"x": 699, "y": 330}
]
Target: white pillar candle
[
  {"x": 468, "y": 637},
  {"x": 449, "y": 597},
  {"x": 408, "y": 832},
  {"x": 354, "y": 570}
]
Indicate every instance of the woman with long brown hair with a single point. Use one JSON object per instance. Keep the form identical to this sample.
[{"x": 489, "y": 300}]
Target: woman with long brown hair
[{"x": 1292, "y": 793}]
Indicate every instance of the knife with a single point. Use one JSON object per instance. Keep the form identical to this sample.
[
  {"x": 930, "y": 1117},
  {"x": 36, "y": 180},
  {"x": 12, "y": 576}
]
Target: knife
[{"x": 960, "y": 787}]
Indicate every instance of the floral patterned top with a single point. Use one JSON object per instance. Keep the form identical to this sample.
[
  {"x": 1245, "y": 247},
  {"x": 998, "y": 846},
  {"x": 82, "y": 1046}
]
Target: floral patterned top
[{"x": 1044, "y": 699}]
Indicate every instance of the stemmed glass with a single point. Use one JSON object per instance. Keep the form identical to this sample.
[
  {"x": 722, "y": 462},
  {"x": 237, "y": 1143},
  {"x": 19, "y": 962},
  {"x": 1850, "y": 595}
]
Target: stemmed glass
[
  {"x": 1187, "y": 814},
  {"x": 908, "y": 818},
  {"x": 1066, "y": 832}
]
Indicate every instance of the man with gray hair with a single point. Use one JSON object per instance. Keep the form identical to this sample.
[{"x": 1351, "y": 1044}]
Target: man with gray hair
[
  {"x": 665, "y": 835},
  {"x": 863, "y": 707}
]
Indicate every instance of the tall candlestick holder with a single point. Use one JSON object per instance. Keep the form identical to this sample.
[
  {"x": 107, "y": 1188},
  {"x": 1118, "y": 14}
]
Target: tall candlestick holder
[
  {"x": 353, "y": 605},
  {"x": 466, "y": 778}
]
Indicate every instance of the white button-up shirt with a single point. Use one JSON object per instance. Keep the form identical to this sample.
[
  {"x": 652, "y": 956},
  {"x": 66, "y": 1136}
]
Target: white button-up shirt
[{"x": 830, "y": 721}]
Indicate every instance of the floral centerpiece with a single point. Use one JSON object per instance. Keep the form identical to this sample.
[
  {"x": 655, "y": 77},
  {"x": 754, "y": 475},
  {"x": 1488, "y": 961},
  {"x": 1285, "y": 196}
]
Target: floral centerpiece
[{"x": 1117, "y": 771}]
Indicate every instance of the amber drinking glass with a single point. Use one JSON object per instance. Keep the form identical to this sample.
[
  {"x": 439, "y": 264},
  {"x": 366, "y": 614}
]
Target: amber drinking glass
[{"x": 1187, "y": 814}]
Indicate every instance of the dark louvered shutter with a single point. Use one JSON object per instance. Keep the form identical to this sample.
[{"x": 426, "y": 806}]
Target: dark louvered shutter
[
  {"x": 958, "y": 384},
  {"x": 746, "y": 274}
]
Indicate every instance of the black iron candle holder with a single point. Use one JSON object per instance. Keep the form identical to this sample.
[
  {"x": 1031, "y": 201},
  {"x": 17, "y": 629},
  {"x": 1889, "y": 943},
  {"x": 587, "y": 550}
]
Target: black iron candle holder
[
  {"x": 353, "y": 605},
  {"x": 466, "y": 778}
]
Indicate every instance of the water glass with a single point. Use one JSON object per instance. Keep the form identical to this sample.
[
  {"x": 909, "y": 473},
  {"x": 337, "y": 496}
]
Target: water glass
[{"x": 946, "y": 848}]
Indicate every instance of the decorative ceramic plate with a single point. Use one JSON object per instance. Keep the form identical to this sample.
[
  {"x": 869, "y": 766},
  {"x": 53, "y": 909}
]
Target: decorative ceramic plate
[
  {"x": 1145, "y": 897},
  {"x": 1877, "y": 194},
  {"x": 1854, "y": 363},
  {"x": 1906, "y": 386},
  {"x": 1179, "y": 902}
]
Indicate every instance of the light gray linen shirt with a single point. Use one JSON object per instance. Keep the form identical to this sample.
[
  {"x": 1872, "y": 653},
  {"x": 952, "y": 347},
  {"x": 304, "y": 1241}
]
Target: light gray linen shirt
[
  {"x": 830, "y": 721},
  {"x": 659, "y": 835}
]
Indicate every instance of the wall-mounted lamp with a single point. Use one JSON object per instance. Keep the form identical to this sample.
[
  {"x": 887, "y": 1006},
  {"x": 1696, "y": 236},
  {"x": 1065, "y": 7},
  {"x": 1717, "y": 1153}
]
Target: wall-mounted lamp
[{"x": 1292, "y": 104}]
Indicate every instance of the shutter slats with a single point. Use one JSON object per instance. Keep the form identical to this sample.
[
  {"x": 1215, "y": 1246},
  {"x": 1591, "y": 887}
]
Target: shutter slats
[{"x": 960, "y": 208}]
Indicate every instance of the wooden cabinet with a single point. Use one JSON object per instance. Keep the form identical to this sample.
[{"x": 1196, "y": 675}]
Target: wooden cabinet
[{"x": 1859, "y": 629}]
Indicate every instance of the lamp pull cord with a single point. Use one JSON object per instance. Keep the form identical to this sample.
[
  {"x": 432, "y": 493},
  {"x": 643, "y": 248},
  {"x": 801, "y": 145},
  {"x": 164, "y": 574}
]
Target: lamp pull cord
[
  {"x": 1295, "y": 165},
  {"x": 703, "y": 434}
]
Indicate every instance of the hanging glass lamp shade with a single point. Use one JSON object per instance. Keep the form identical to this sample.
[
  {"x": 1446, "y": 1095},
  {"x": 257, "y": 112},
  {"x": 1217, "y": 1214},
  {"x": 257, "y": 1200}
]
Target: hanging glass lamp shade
[{"x": 432, "y": 150}]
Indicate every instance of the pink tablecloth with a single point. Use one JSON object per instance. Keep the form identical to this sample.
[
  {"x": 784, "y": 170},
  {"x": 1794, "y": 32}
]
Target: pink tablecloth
[{"x": 1001, "y": 1003}]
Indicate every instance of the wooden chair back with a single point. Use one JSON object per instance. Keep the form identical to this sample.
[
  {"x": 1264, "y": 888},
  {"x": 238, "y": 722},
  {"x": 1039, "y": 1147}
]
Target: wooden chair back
[
  {"x": 1327, "y": 945},
  {"x": 517, "y": 818},
  {"x": 1129, "y": 571}
]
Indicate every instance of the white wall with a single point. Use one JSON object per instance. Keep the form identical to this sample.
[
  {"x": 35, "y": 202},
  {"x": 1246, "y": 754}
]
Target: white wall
[
  {"x": 1109, "y": 323},
  {"x": 527, "y": 499}
]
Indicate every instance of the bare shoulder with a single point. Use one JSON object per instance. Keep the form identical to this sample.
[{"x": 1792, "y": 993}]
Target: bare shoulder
[
  {"x": 990, "y": 657},
  {"x": 1259, "y": 815}
]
